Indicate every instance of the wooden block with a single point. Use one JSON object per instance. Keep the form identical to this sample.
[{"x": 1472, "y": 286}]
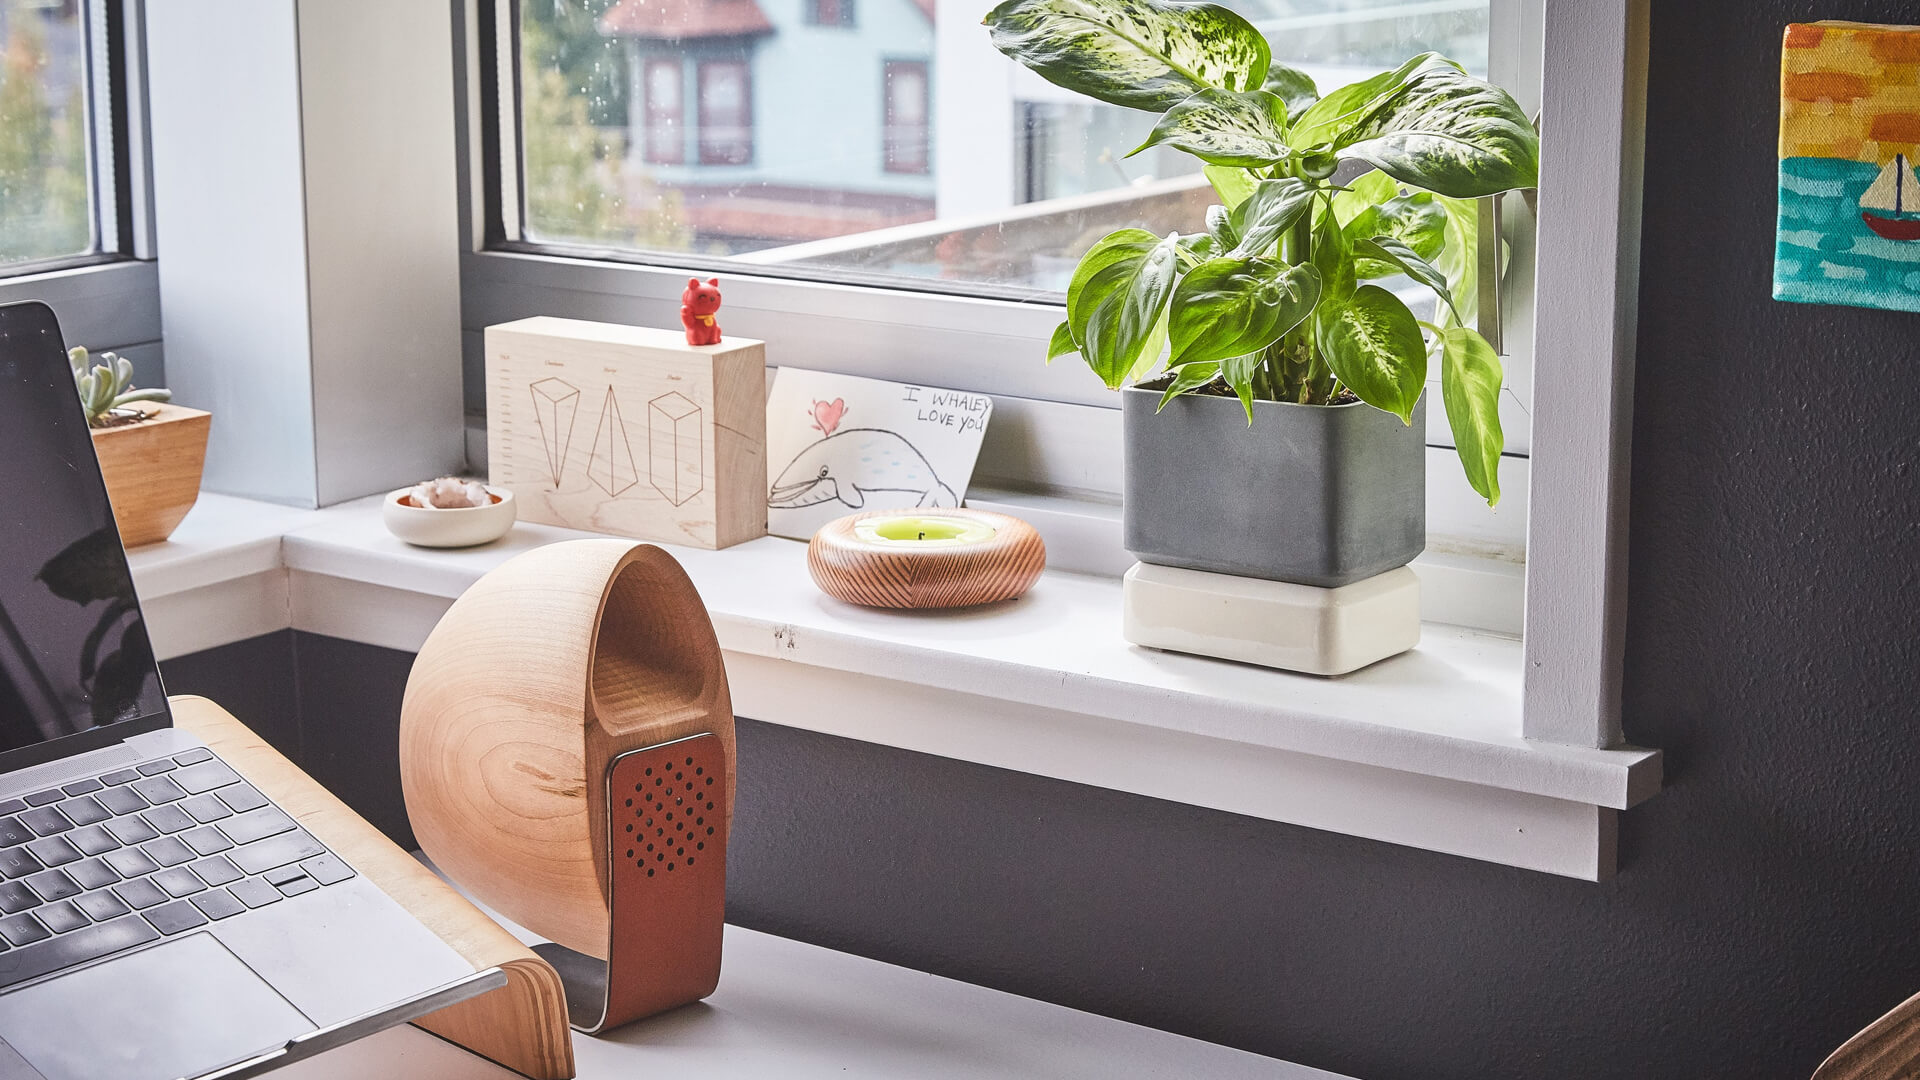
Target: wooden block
[
  {"x": 522, "y": 1025},
  {"x": 629, "y": 430},
  {"x": 152, "y": 470}
]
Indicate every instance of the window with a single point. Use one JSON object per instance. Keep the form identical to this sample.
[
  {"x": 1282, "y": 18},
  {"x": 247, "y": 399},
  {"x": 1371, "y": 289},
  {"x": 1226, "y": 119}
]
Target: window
[
  {"x": 830, "y": 12},
  {"x": 664, "y": 140},
  {"x": 935, "y": 208},
  {"x": 726, "y": 113},
  {"x": 905, "y": 134},
  {"x": 57, "y": 120}
]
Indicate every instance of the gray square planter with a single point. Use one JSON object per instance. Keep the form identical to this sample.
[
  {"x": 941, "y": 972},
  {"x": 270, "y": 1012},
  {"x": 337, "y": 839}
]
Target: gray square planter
[{"x": 1317, "y": 495}]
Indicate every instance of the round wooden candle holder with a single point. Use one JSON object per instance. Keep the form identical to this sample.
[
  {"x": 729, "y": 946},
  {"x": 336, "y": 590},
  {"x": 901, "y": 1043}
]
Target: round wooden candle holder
[
  {"x": 945, "y": 558},
  {"x": 567, "y": 756}
]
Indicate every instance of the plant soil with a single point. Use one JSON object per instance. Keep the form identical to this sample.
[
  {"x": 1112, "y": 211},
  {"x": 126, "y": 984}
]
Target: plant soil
[{"x": 1219, "y": 388}]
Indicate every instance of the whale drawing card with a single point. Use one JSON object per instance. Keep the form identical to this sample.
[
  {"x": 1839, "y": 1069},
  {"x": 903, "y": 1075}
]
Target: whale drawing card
[{"x": 837, "y": 444}]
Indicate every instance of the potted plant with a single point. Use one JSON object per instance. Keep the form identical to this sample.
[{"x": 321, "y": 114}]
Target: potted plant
[
  {"x": 1270, "y": 316},
  {"x": 151, "y": 452}
]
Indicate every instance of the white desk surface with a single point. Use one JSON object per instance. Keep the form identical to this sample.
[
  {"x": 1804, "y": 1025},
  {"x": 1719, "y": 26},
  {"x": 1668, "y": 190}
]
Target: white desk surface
[{"x": 791, "y": 1011}]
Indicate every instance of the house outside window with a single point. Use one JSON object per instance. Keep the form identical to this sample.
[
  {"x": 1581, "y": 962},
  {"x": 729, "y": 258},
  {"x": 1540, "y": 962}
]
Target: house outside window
[
  {"x": 726, "y": 112},
  {"x": 830, "y": 12},
  {"x": 665, "y": 135},
  {"x": 906, "y": 133}
]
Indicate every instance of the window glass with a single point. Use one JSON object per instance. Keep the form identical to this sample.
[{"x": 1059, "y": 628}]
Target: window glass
[
  {"x": 46, "y": 207},
  {"x": 955, "y": 169}
]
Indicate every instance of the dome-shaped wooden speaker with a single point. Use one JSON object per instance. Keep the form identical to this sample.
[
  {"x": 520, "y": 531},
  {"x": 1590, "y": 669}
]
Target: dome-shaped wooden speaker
[{"x": 566, "y": 750}]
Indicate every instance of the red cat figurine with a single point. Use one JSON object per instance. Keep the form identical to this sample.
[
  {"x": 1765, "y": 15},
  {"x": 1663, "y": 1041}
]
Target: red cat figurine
[{"x": 697, "y": 306}]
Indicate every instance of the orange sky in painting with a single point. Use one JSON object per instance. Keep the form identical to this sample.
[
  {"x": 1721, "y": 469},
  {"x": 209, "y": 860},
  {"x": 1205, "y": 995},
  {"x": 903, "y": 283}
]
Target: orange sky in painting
[{"x": 1850, "y": 90}]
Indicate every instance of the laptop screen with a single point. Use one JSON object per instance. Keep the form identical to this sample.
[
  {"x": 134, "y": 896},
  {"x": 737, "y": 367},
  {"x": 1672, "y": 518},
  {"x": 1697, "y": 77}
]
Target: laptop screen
[{"x": 74, "y": 654}]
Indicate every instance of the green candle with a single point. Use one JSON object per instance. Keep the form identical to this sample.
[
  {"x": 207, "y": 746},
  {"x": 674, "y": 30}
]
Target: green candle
[{"x": 915, "y": 530}]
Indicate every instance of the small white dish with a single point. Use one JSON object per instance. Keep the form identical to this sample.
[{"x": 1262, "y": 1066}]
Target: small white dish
[{"x": 461, "y": 526}]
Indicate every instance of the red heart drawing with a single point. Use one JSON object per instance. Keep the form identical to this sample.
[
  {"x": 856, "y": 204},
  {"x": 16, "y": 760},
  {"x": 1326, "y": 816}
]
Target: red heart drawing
[{"x": 826, "y": 415}]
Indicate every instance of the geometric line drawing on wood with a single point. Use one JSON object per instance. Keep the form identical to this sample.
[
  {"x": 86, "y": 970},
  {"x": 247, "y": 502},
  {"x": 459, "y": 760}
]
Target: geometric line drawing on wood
[
  {"x": 674, "y": 447},
  {"x": 610, "y": 462},
  {"x": 556, "y": 404}
]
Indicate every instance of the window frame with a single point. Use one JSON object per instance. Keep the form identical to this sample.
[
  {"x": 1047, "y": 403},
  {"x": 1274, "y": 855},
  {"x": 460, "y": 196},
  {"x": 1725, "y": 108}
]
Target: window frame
[{"x": 1593, "y": 82}]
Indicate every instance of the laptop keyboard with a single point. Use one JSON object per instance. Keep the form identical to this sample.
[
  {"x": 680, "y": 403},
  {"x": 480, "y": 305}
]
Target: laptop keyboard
[{"x": 130, "y": 856}]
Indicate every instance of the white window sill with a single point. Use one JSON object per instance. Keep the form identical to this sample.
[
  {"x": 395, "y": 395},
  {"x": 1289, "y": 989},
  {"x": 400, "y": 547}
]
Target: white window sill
[{"x": 1422, "y": 750}]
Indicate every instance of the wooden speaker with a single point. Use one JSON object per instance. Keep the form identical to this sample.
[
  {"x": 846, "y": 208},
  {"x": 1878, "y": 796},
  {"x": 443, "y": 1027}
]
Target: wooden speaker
[{"x": 566, "y": 751}]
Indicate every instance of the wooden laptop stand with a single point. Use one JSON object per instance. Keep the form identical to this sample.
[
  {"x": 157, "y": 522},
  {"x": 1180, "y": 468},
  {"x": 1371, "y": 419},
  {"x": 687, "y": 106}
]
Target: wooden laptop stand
[{"x": 522, "y": 1025}]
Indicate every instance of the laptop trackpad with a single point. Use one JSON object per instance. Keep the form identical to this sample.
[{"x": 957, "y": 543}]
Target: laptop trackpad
[{"x": 178, "y": 1009}]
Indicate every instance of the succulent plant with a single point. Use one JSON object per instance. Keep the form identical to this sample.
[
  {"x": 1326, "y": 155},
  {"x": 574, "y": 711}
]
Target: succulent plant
[{"x": 107, "y": 386}]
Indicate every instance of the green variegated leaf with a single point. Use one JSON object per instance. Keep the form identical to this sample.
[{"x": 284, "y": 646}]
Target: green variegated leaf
[
  {"x": 1401, "y": 257},
  {"x": 1143, "y": 54},
  {"x": 1190, "y": 377},
  {"x": 1116, "y": 246},
  {"x": 1470, "y": 387},
  {"x": 1373, "y": 344},
  {"x": 1333, "y": 259},
  {"x": 1459, "y": 257},
  {"x": 1152, "y": 349},
  {"x": 1448, "y": 132},
  {"x": 1231, "y": 184},
  {"x": 1233, "y": 306},
  {"x": 1272, "y": 209},
  {"x": 1238, "y": 371},
  {"x": 1327, "y": 120},
  {"x": 1225, "y": 127},
  {"x": 1062, "y": 343},
  {"x": 1196, "y": 249},
  {"x": 1415, "y": 220},
  {"x": 1220, "y": 228},
  {"x": 1293, "y": 86},
  {"x": 1128, "y": 297},
  {"x": 1362, "y": 192}
]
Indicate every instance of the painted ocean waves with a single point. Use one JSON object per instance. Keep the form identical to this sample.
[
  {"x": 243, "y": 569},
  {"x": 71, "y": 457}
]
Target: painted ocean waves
[{"x": 1826, "y": 253}]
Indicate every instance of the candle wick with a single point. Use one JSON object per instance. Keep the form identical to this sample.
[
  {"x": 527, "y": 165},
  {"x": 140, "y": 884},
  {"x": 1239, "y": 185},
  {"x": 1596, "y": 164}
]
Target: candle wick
[{"x": 923, "y": 535}]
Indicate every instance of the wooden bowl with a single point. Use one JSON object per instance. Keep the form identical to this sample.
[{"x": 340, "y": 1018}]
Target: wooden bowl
[{"x": 943, "y": 558}]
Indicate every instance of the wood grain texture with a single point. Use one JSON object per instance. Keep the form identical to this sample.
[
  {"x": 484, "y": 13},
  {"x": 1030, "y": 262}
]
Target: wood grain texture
[
  {"x": 152, "y": 470},
  {"x": 522, "y": 1025},
  {"x": 848, "y": 568},
  {"x": 545, "y": 670},
  {"x": 629, "y": 430},
  {"x": 1887, "y": 1049}
]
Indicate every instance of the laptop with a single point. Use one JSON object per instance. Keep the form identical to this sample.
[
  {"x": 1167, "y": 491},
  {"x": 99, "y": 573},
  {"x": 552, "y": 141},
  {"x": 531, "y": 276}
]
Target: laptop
[{"x": 159, "y": 916}]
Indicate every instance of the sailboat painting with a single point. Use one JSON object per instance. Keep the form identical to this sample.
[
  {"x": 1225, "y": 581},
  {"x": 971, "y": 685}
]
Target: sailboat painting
[
  {"x": 1891, "y": 205},
  {"x": 1849, "y": 226}
]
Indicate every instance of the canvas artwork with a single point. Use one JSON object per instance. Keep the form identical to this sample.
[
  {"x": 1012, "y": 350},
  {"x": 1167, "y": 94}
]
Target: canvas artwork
[
  {"x": 838, "y": 443},
  {"x": 1849, "y": 228}
]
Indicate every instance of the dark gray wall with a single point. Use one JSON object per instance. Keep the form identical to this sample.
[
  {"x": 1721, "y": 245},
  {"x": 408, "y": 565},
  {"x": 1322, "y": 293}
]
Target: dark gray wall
[{"x": 1766, "y": 905}]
